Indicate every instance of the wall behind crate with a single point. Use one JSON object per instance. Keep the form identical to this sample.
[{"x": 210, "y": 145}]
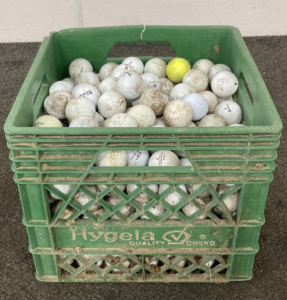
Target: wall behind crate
[{"x": 30, "y": 21}]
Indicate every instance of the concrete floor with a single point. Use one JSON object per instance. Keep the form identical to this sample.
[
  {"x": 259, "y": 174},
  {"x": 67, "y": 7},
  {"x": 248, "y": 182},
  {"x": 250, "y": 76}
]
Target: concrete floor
[{"x": 270, "y": 268}]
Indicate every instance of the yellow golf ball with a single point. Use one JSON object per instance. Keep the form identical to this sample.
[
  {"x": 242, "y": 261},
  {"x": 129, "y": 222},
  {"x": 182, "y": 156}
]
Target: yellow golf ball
[{"x": 177, "y": 68}]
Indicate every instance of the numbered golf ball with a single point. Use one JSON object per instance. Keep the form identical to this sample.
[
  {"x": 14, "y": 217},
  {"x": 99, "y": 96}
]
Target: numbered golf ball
[
  {"x": 150, "y": 81},
  {"x": 216, "y": 69},
  {"x": 121, "y": 69},
  {"x": 87, "y": 91},
  {"x": 224, "y": 84}
]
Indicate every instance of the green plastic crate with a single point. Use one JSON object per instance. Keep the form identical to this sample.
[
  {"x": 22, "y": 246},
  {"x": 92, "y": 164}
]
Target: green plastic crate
[{"x": 243, "y": 156}]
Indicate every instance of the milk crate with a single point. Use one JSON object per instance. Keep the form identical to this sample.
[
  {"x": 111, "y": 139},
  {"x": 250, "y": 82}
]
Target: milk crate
[{"x": 171, "y": 247}]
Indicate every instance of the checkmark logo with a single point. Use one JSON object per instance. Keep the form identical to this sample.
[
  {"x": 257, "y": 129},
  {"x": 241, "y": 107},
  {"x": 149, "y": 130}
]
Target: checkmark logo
[{"x": 176, "y": 236}]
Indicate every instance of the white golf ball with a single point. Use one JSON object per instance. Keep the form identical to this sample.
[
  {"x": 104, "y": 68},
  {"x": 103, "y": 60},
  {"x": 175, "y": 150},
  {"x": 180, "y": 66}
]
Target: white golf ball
[
  {"x": 143, "y": 114},
  {"x": 166, "y": 85},
  {"x": 185, "y": 162},
  {"x": 134, "y": 62},
  {"x": 150, "y": 81},
  {"x": 212, "y": 100},
  {"x": 88, "y": 77},
  {"x": 87, "y": 91},
  {"x": 130, "y": 85},
  {"x": 216, "y": 69},
  {"x": 159, "y": 122},
  {"x": 108, "y": 84},
  {"x": 79, "y": 66},
  {"x": 155, "y": 99},
  {"x": 79, "y": 107},
  {"x": 156, "y": 210},
  {"x": 197, "y": 79},
  {"x": 142, "y": 197},
  {"x": 120, "y": 69},
  {"x": 198, "y": 104},
  {"x": 121, "y": 120},
  {"x": 230, "y": 202},
  {"x": 224, "y": 84},
  {"x": 203, "y": 65},
  {"x": 84, "y": 122},
  {"x": 99, "y": 119},
  {"x": 55, "y": 104},
  {"x": 177, "y": 113},
  {"x": 125, "y": 210},
  {"x": 181, "y": 90},
  {"x": 230, "y": 111},
  {"x": 102, "y": 187},
  {"x": 191, "y": 209},
  {"x": 63, "y": 188},
  {"x": 193, "y": 187},
  {"x": 69, "y": 79},
  {"x": 111, "y": 103},
  {"x": 107, "y": 70},
  {"x": 112, "y": 159},
  {"x": 47, "y": 121},
  {"x": 156, "y": 66},
  {"x": 84, "y": 199},
  {"x": 174, "y": 197},
  {"x": 61, "y": 86},
  {"x": 137, "y": 158},
  {"x": 212, "y": 120},
  {"x": 163, "y": 158}
]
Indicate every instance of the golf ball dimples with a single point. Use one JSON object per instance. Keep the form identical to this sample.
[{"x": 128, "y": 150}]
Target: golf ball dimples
[
  {"x": 55, "y": 104},
  {"x": 108, "y": 84},
  {"x": 142, "y": 197},
  {"x": 212, "y": 100},
  {"x": 150, "y": 81},
  {"x": 112, "y": 159},
  {"x": 174, "y": 197},
  {"x": 230, "y": 111},
  {"x": 203, "y": 65},
  {"x": 156, "y": 66},
  {"x": 166, "y": 85},
  {"x": 177, "y": 113},
  {"x": 120, "y": 69},
  {"x": 216, "y": 69},
  {"x": 224, "y": 84},
  {"x": 137, "y": 158},
  {"x": 155, "y": 99},
  {"x": 64, "y": 86},
  {"x": 134, "y": 62},
  {"x": 163, "y": 158},
  {"x": 87, "y": 91},
  {"x": 198, "y": 104},
  {"x": 111, "y": 103},
  {"x": 177, "y": 68},
  {"x": 107, "y": 70},
  {"x": 197, "y": 79},
  {"x": 143, "y": 114},
  {"x": 84, "y": 122},
  {"x": 88, "y": 77},
  {"x": 121, "y": 120},
  {"x": 212, "y": 120},
  {"x": 130, "y": 85},
  {"x": 181, "y": 90},
  {"x": 47, "y": 121},
  {"x": 79, "y": 66},
  {"x": 79, "y": 107}
]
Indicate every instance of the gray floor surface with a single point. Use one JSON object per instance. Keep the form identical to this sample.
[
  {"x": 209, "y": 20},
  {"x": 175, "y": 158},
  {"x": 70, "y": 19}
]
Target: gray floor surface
[{"x": 17, "y": 279}]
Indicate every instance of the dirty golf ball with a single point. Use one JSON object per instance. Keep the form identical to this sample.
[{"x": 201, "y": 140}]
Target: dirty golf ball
[
  {"x": 64, "y": 86},
  {"x": 197, "y": 79},
  {"x": 174, "y": 197},
  {"x": 87, "y": 91},
  {"x": 150, "y": 81},
  {"x": 155, "y": 99},
  {"x": 79, "y": 66},
  {"x": 88, "y": 77},
  {"x": 212, "y": 120},
  {"x": 181, "y": 90},
  {"x": 203, "y": 65},
  {"x": 121, "y": 120},
  {"x": 137, "y": 158},
  {"x": 79, "y": 107},
  {"x": 112, "y": 159},
  {"x": 107, "y": 70},
  {"x": 134, "y": 62},
  {"x": 47, "y": 121},
  {"x": 166, "y": 85},
  {"x": 108, "y": 84},
  {"x": 156, "y": 66},
  {"x": 177, "y": 68},
  {"x": 142, "y": 197},
  {"x": 111, "y": 103},
  {"x": 216, "y": 69},
  {"x": 130, "y": 85},
  {"x": 55, "y": 104},
  {"x": 177, "y": 113},
  {"x": 212, "y": 100}
]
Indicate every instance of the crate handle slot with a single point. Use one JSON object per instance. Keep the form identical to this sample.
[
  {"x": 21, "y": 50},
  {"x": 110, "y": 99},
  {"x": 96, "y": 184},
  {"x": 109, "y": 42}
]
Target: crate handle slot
[{"x": 38, "y": 101}]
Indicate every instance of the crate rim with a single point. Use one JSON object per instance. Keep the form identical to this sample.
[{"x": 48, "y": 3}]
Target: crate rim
[{"x": 10, "y": 128}]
